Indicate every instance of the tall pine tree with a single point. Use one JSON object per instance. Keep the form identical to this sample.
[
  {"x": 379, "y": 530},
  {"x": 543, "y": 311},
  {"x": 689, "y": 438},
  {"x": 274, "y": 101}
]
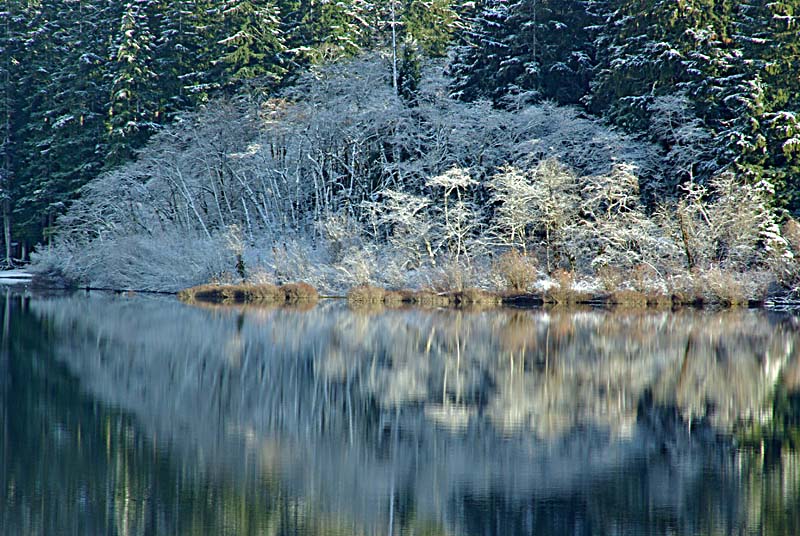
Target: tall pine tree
[
  {"x": 767, "y": 132},
  {"x": 251, "y": 44},
  {"x": 539, "y": 49}
]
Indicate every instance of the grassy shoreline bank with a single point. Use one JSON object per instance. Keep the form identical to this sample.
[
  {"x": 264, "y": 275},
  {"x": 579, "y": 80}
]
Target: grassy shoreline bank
[{"x": 370, "y": 296}]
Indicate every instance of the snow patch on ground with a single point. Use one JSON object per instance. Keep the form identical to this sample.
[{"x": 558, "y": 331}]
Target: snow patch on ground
[{"x": 15, "y": 275}]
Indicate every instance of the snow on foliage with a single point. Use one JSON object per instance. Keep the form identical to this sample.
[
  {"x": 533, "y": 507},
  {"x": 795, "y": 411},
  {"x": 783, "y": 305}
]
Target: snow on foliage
[{"x": 337, "y": 182}]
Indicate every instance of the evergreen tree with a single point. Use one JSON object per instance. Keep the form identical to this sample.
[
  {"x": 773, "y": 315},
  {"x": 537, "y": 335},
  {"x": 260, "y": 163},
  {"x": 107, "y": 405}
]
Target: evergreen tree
[
  {"x": 76, "y": 112},
  {"x": 316, "y": 31},
  {"x": 431, "y": 24},
  {"x": 251, "y": 44},
  {"x": 134, "y": 107},
  {"x": 12, "y": 55},
  {"x": 540, "y": 49},
  {"x": 34, "y": 136},
  {"x": 767, "y": 130},
  {"x": 181, "y": 54},
  {"x": 409, "y": 71},
  {"x": 652, "y": 50},
  {"x": 85, "y": 82},
  {"x": 418, "y": 28},
  {"x": 480, "y": 63},
  {"x": 62, "y": 109}
]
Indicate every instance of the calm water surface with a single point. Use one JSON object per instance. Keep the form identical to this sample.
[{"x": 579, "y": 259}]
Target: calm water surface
[{"x": 135, "y": 415}]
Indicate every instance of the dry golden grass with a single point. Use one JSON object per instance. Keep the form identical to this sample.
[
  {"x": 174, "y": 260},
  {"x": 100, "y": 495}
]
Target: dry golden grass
[
  {"x": 249, "y": 293},
  {"x": 262, "y": 293},
  {"x": 299, "y": 292},
  {"x": 393, "y": 298},
  {"x": 564, "y": 293},
  {"x": 517, "y": 270},
  {"x": 725, "y": 288},
  {"x": 238, "y": 293},
  {"x": 659, "y": 300},
  {"x": 687, "y": 290},
  {"x": 628, "y": 298},
  {"x": 197, "y": 292},
  {"x": 687, "y": 299},
  {"x": 362, "y": 297},
  {"x": 610, "y": 277},
  {"x": 366, "y": 294}
]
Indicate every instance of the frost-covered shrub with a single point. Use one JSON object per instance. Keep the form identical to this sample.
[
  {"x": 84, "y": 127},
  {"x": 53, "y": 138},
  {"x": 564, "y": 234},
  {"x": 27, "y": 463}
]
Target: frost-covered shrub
[
  {"x": 517, "y": 270},
  {"x": 616, "y": 228},
  {"x": 457, "y": 217},
  {"x": 402, "y": 220},
  {"x": 360, "y": 266},
  {"x": 341, "y": 232},
  {"x": 729, "y": 225},
  {"x": 513, "y": 208},
  {"x": 610, "y": 277},
  {"x": 338, "y": 182},
  {"x": 164, "y": 262},
  {"x": 453, "y": 275},
  {"x": 537, "y": 207}
]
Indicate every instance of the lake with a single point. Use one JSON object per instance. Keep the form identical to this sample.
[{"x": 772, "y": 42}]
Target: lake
[{"x": 136, "y": 415}]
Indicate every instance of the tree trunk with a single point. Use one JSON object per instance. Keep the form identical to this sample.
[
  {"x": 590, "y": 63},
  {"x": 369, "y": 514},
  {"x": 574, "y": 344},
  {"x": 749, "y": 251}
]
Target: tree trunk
[
  {"x": 685, "y": 241},
  {"x": 394, "y": 49},
  {"x": 9, "y": 262}
]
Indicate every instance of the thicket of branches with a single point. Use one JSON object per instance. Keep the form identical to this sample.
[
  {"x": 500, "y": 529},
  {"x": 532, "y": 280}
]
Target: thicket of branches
[{"x": 339, "y": 181}]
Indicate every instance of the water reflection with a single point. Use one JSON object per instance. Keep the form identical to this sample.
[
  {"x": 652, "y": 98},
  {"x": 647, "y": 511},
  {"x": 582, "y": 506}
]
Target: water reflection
[{"x": 146, "y": 416}]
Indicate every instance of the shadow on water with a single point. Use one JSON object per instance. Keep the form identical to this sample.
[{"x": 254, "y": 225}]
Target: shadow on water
[{"x": 133, "y": 415}]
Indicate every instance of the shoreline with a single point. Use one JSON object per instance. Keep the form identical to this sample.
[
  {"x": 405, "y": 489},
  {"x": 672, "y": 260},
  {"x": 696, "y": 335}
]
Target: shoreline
[{"x": 369, "y": 296}]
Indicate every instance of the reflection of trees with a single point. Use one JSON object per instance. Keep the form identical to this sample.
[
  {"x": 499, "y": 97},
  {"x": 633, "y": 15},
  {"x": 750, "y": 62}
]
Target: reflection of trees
[
  {"x": 70, "y": 465},
  {"x": 771, "y": 461},
  {"x": 580, "y": 420}
]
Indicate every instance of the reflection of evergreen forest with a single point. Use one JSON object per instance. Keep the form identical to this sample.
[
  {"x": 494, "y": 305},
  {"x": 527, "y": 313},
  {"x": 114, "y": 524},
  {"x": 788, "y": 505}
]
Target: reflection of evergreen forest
[
  {"x": 72, "y": 465},
  {"x": 128, "y": 415}
]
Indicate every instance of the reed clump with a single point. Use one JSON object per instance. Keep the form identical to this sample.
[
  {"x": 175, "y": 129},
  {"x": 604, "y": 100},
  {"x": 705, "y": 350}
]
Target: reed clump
[
  {"x": 473, "y": 297},
  {"x": 518, "y": 270},
  {"x": 716, "y": 287},
  {"x": 726, "y": 288},
  {"x": 659, "y": 300},
  {"x": 200, "y": 292},
  {"x": 628, "y": 298},
  {"x": 217, "y": 293},
  {"x": 564, "y": 292},
  {"x": 610, "y": 277},
  {"x": 428, "y": 298},
  {"x": 394, "y": 298},
  {"x": 299, "y": 292},
  {"x": 250, "y": 293},
  {"x": 366, "y": 294}
]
